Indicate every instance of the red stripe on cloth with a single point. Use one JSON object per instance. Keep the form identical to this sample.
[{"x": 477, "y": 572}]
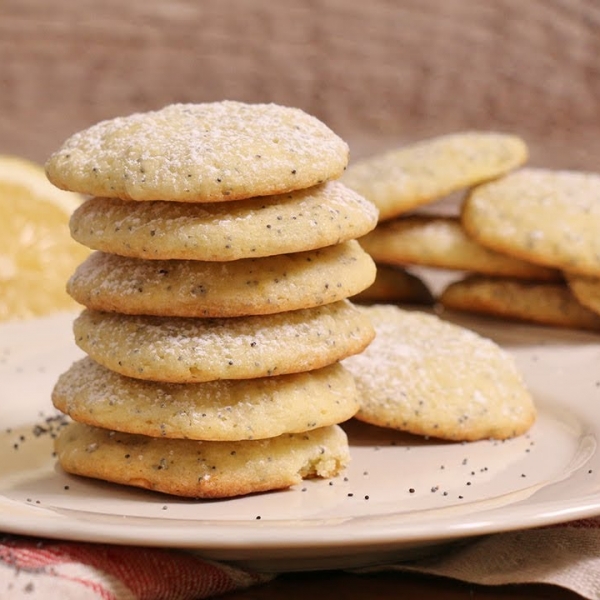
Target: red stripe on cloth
[
  {"x": 27, "y": 558},
  {"x": 150, "y": 573},
  {"x": 35, "y": 557}
]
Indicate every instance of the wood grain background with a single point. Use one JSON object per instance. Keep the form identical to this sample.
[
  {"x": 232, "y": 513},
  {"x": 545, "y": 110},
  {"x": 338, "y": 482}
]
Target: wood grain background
[{"x": 380, "y": 72}]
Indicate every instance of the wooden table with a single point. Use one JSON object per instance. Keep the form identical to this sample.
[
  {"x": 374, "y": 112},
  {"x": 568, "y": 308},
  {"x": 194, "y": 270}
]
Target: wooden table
[{"x": 345, "y": 586}]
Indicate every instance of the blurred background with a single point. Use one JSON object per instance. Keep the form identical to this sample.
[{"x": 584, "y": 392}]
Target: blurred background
[{"x": 379, "y": 72}]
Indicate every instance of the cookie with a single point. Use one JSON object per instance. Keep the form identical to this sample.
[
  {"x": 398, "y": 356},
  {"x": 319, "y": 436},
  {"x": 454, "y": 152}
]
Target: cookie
[
  {"x": 209, "y": 152},
  {"x": 198, "y": 469},
  {"x": 400, "y": 180},
  {"x": 226, "y": 410},
  {"x": 586, "y": 290},
  {"x": 294, "y": 222},
  {"x": 395, "y": 285},
  {"x": 544, "y": 303},
  {"x": 548, "y": 217},
  {"x": 180, "y": 350},
  {"x": 441, "y": 242},
  {"x": 249, "y": 286},
  {"x": 429, "y": 377}
]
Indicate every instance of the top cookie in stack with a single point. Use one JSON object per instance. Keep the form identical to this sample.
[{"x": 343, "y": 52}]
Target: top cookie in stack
[
  {"x": 210, "y": 152},
  {"x": 216, "y": 301}
]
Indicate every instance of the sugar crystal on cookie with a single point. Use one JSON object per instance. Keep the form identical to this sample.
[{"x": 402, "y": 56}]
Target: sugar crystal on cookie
[{"x": 217, "y": 303}]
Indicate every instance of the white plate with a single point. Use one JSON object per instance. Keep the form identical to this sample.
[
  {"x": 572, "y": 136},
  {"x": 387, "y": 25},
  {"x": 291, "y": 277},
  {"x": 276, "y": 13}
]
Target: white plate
[{"x": 402, "y": 495}]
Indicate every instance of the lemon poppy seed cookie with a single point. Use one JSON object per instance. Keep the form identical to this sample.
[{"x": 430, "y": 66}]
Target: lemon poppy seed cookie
[
  {"x": 249, "y": 286},
  {"x": 586, "y": 290},
  {"x": 395, "y": 285},
  {"x": 544, "y": 303},
  {"x": 430, "y": 377},
  {"x": 441, "y": 242},
  {"x": 216, "y": 301},
  {"x": 209, "y": 152},
  {"x": 319, "y": 216},
  {"x": 177, "y": 349},
  {"x": 400, "y": 180},
  {"x": 199, "y": 469},
  {"x": 548, "y": 217},
  {"x": 225, "y": 410}
]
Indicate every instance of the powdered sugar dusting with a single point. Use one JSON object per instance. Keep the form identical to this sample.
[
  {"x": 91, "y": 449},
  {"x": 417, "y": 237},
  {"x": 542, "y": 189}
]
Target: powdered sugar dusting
[
  {"x": 400, "y": 180},
  {"x": 252, "y": 286},
  {"x": 428, "y": 376},
  {"x": 302, "y": 220},
  {"x": 550, "y": 217},
  {"x": 442, "y": 242},
  {"x": 200, "y": 153},
  {"x": 188, "y": 350},
  {"x": 224, "y": 410}
]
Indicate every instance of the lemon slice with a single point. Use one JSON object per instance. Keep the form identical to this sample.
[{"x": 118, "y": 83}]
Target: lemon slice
[{"x": 37, "y": 254}]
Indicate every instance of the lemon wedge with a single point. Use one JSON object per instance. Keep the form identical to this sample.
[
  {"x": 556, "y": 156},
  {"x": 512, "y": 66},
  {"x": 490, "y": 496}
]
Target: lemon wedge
[{"x": 37, "y": 254}]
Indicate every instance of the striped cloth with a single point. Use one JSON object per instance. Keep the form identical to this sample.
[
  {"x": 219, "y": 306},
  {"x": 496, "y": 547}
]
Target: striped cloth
[
  {"x": 48, "y": 570},
  {"x": 566, "y": 555}
]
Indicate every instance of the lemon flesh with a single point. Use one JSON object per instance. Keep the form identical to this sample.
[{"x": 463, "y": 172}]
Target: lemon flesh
[{"x": 37, "y": 254}]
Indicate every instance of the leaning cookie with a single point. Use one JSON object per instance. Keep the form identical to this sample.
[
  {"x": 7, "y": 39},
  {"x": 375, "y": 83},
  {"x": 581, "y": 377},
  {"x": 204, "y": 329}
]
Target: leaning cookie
[
  {"x": 401, "y": 180},
  {"x": 307, "y": 219},
  {"x": 429, "y": 377},
  {"x": 226, "y": 410},
  {"x": 548, "y": 217},
  {"x": 186, "y": 350},
  {"x": 249, "y": 286},
  {"x": 543, "y": 303},
  {"x": 209, "y": 152},
  {"x": 197, "y": 469},
  {"x": 441, "y": 242}
]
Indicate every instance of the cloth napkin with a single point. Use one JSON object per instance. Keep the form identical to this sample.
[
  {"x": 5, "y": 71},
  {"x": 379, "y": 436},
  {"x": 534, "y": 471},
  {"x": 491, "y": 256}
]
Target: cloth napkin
[{"x": 566, "y": 555}]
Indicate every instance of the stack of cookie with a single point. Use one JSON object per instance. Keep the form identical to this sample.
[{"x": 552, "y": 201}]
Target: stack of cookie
[
  {"x": 496, "y": 235},
  {"x": 550, "y": 218},
  {"x": 216, "y": 302},
  {"x": 400, "y": 182}
]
